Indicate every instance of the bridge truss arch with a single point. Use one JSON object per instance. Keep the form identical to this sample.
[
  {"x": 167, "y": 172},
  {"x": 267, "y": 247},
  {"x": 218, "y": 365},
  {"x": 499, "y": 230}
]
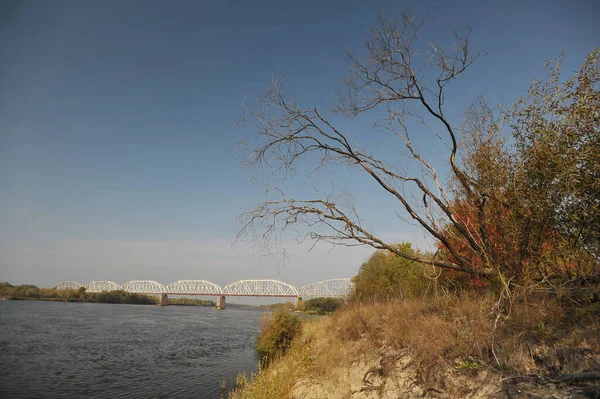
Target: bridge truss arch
[
  {"x": 68, "y": 285},
  {"x": 260, "y": 288},
  {"x": 99, "y": 286},
  {"x": 336, "y": 288},
  {"x": 143, "y": 287},
  {"x": 193, "y": 287}
]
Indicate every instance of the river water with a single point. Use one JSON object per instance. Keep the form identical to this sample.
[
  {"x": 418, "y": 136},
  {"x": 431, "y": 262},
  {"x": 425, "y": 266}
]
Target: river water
[{"x": 88, "y": 350}]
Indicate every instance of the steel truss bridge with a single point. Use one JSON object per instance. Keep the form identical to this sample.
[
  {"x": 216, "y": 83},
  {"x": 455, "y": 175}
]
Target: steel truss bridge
[{"x": 334, "y": 288}]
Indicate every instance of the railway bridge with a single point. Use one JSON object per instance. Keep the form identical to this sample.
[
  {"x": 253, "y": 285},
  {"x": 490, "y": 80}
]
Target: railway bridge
[{"x": 334, "y": 288}]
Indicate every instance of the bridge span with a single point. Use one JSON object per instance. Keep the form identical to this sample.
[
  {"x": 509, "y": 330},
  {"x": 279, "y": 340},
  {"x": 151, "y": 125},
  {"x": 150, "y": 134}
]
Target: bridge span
[{"x": 335, "y": 288}]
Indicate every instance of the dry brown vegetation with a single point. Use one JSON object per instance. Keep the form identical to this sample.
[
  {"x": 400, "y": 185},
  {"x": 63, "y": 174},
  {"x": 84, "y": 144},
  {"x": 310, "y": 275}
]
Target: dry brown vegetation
[
  {"x": 447, "y": 345},
  {"x": 540, "y": 336}
]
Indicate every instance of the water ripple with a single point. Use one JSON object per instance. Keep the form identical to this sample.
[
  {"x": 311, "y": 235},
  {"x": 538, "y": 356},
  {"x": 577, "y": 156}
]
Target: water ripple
[{"x": 72, "y": 350}]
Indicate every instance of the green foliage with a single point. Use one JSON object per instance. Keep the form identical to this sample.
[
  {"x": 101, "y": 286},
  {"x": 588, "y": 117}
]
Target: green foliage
[
  {"x": 277, "y": 331},
  {"x": 468, "y": 367},
  {"x": 190, "y": 302},
  {"x": 121, "y": 296},
  {"x": 542, "y": 331},
  {"x": 532, "y": 204},
  {"x": 388, "y": 276},
  {"x": 321, "y": 305},
  {"x": 274, "y": 307},
  {"x": 557, "y": 141}
]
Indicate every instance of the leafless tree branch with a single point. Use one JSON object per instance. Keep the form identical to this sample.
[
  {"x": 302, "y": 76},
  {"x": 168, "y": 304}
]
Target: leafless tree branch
[{"x": 286, "y": 135}]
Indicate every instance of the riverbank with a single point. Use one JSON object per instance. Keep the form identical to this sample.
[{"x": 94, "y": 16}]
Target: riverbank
[
  {"x": 33, "y": 299},
  {"x": 33, "y": 293},
  {"x": 438, "y": 347}
]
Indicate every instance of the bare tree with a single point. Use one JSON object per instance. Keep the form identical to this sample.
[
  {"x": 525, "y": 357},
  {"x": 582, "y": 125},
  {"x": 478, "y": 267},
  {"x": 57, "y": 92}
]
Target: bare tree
[{"x": 409, "y": 85}]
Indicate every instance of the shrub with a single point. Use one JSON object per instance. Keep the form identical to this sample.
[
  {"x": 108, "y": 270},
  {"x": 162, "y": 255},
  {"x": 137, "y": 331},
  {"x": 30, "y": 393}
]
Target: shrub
[
  {"x": 388, "y": 276},
  {"x": 277, "y": 331},
  {"x": 322, "y": 305}
]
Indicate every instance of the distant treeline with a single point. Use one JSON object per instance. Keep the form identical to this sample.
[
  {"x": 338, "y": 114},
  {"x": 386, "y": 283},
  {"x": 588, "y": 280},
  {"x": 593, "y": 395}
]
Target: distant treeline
[
  {"x": 273, "y": 307},
  {"x": 320, "y": 306},
  {"x": 190, "y": 302},
  {"x": 32, "y": 292}
]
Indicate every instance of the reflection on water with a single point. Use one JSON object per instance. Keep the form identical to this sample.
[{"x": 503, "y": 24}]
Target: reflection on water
[{"x": 74, "y": 350}]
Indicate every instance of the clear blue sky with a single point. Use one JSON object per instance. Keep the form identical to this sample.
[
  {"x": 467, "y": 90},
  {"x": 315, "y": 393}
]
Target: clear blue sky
[{"x": 117, "y": 122}]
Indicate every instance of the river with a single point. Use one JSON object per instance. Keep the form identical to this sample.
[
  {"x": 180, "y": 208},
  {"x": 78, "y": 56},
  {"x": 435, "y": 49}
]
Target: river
[{"x": 88, "y": 350}]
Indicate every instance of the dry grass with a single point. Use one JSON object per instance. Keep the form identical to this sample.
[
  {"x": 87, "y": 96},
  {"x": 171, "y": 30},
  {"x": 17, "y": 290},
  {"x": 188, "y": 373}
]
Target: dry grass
[
  {"x": 437, "y": 335},
  {"x": 432, "y": 332},
  {"x": 540, "y": 336},
  {"x": 264, "y": 385}
]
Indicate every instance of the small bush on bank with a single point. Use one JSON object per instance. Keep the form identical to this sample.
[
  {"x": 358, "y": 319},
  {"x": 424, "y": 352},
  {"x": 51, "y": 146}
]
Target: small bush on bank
[{"x": 277, "y": 331}]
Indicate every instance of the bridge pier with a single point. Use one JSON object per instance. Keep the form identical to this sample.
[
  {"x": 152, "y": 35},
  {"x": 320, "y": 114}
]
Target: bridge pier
[
  {"x": 220, "y": 302},
  {"x": 162, "y": 300},
  {"x": 297, "y": 301}
]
